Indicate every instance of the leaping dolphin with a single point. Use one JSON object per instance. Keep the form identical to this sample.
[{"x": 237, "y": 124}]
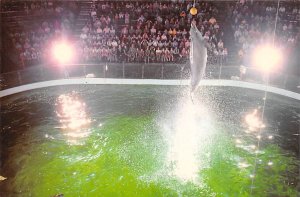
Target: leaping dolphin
[{"x": 198, "y": 57}]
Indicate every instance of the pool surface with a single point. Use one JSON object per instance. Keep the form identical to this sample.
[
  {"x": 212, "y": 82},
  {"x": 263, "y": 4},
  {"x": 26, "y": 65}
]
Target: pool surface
[{"x": 143, "y": 140}]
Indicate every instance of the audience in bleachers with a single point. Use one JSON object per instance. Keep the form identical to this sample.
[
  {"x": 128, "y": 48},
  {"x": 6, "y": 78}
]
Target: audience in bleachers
[
  {"x": 151, "y": 31},
  {"x": 124, "y": 32},
  {"x": 147, "y": 32}
]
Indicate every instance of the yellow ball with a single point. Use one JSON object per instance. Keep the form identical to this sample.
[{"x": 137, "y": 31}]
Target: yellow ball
[{"x": 193, "y": 11}]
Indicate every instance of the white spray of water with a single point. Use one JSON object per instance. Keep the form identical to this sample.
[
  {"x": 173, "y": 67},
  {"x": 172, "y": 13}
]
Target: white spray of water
[{"x": 188, "y": 135}]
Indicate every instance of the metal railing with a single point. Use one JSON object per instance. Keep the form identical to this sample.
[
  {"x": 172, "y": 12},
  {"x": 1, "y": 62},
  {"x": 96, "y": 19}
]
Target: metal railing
[{"x": 142, "y": 71}]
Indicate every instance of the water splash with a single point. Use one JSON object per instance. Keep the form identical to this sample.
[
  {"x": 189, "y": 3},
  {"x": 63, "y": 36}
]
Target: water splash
[{"x": 188, "y": 135}]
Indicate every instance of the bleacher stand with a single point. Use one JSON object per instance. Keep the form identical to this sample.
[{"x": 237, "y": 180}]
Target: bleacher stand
[{"x": 117, "y": 31}]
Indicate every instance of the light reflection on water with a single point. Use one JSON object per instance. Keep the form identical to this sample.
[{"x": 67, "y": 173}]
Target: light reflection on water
[{"x": 73, "y": 117}]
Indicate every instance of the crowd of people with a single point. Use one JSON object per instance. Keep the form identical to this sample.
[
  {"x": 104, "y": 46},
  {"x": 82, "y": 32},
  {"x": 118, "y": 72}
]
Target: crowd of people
[
  {"x": 121, "y": 31},
  {"x": 152, "y": 31},
  {"x": 148, "y": 32},
  {"x": 254, "y": 24}
]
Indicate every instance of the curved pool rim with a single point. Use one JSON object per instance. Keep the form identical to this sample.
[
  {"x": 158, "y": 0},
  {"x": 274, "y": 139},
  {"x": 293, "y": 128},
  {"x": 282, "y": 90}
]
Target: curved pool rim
[{"x": 115, "y": 81}]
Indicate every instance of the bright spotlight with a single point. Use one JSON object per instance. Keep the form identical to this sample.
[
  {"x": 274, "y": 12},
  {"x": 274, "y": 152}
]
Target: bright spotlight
[
  {"x": 62, "y": 52},
  {"x": 267, "y": 57}
]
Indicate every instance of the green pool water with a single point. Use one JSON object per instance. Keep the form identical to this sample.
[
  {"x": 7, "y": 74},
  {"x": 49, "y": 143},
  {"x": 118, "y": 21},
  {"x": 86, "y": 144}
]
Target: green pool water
[
  {"x": 146, "y": 154},
  {"x": 126, "y": 157}
]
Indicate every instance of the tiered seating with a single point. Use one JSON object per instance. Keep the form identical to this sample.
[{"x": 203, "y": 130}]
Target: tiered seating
[
  {"x": 115, "y": 31},
  {"x": 147, "y": 32}
]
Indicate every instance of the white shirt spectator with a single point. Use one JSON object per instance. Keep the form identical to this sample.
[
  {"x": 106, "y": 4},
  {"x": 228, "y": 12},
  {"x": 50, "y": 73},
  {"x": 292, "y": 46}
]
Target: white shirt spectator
[
  {"x": 290, "y": 26},
  {"x": 59, "y": 9},
  {"x": 242, "y": 39},
  {"x": 94, "y": 14},
  {"x": 158, "y": 51},
  {"x": 206, "y": 37},
  {"x": 184, "y": 32},
  {"x": 114, "y": 43},
  {"x": 27, "y": 45},
  {"x": 284, "y": 27},
  {"x": 245, "y": 46},
  {"x": 85, "y": 29},
  {"x": 164, "y": 37},
  {"x": 291, "y": 40},
  {"x": 149, "y": 43},
  {"x": 83, "y": 36},
  {"x": 216, "y": 52},
  {"x": 153, "y": 30},
  {"x": 282, "y": 9},
  {"x": 225, "y": 52},
  {"x": 295, "y": 11},
  {"x": 99, "y": 30},
  {"x": 141, "y": 18},
  {"x": 127, "y": 18},
  {"x": 273, "y": 9},
  {"x": 187, "y": 44},
  {"x": 108, "y": 43},
  {"x": 108, "y": 20},
  {"x": 57, "y": 31},
  {"x": 47, "y": 29},
  {"x": 125, "y": 31},
  {"x": 220, "y": 44},
  {"x": 112, "y": 31},
  {"x": 45, "y": 24},
  {"x": 237, "y": 34},
  {"x": 174, "y": 43},
  {"x": 138, "y": 10},
  {"x": 106, "y": 30},
  {"x": 159, "y": 19},
  {"x": 128, "y": 5},
  {"x": 18, "y": 46},
  {"x": 160, "y": 44},
  {"x": 97, "y": 23}
]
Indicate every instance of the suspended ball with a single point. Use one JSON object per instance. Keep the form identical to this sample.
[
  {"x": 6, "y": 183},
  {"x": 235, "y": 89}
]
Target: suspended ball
[{"x": 193, "y": 11}]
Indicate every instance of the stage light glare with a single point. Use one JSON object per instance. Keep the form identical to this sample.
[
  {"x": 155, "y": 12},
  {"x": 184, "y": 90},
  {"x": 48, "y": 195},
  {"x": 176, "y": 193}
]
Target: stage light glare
[
  {"x": 62, "y": 52},
  {"x": 267, "y": 58}
]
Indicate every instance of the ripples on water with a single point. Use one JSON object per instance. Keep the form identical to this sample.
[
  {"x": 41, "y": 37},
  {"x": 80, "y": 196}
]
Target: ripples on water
[{"x": 151, "y": 140}]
